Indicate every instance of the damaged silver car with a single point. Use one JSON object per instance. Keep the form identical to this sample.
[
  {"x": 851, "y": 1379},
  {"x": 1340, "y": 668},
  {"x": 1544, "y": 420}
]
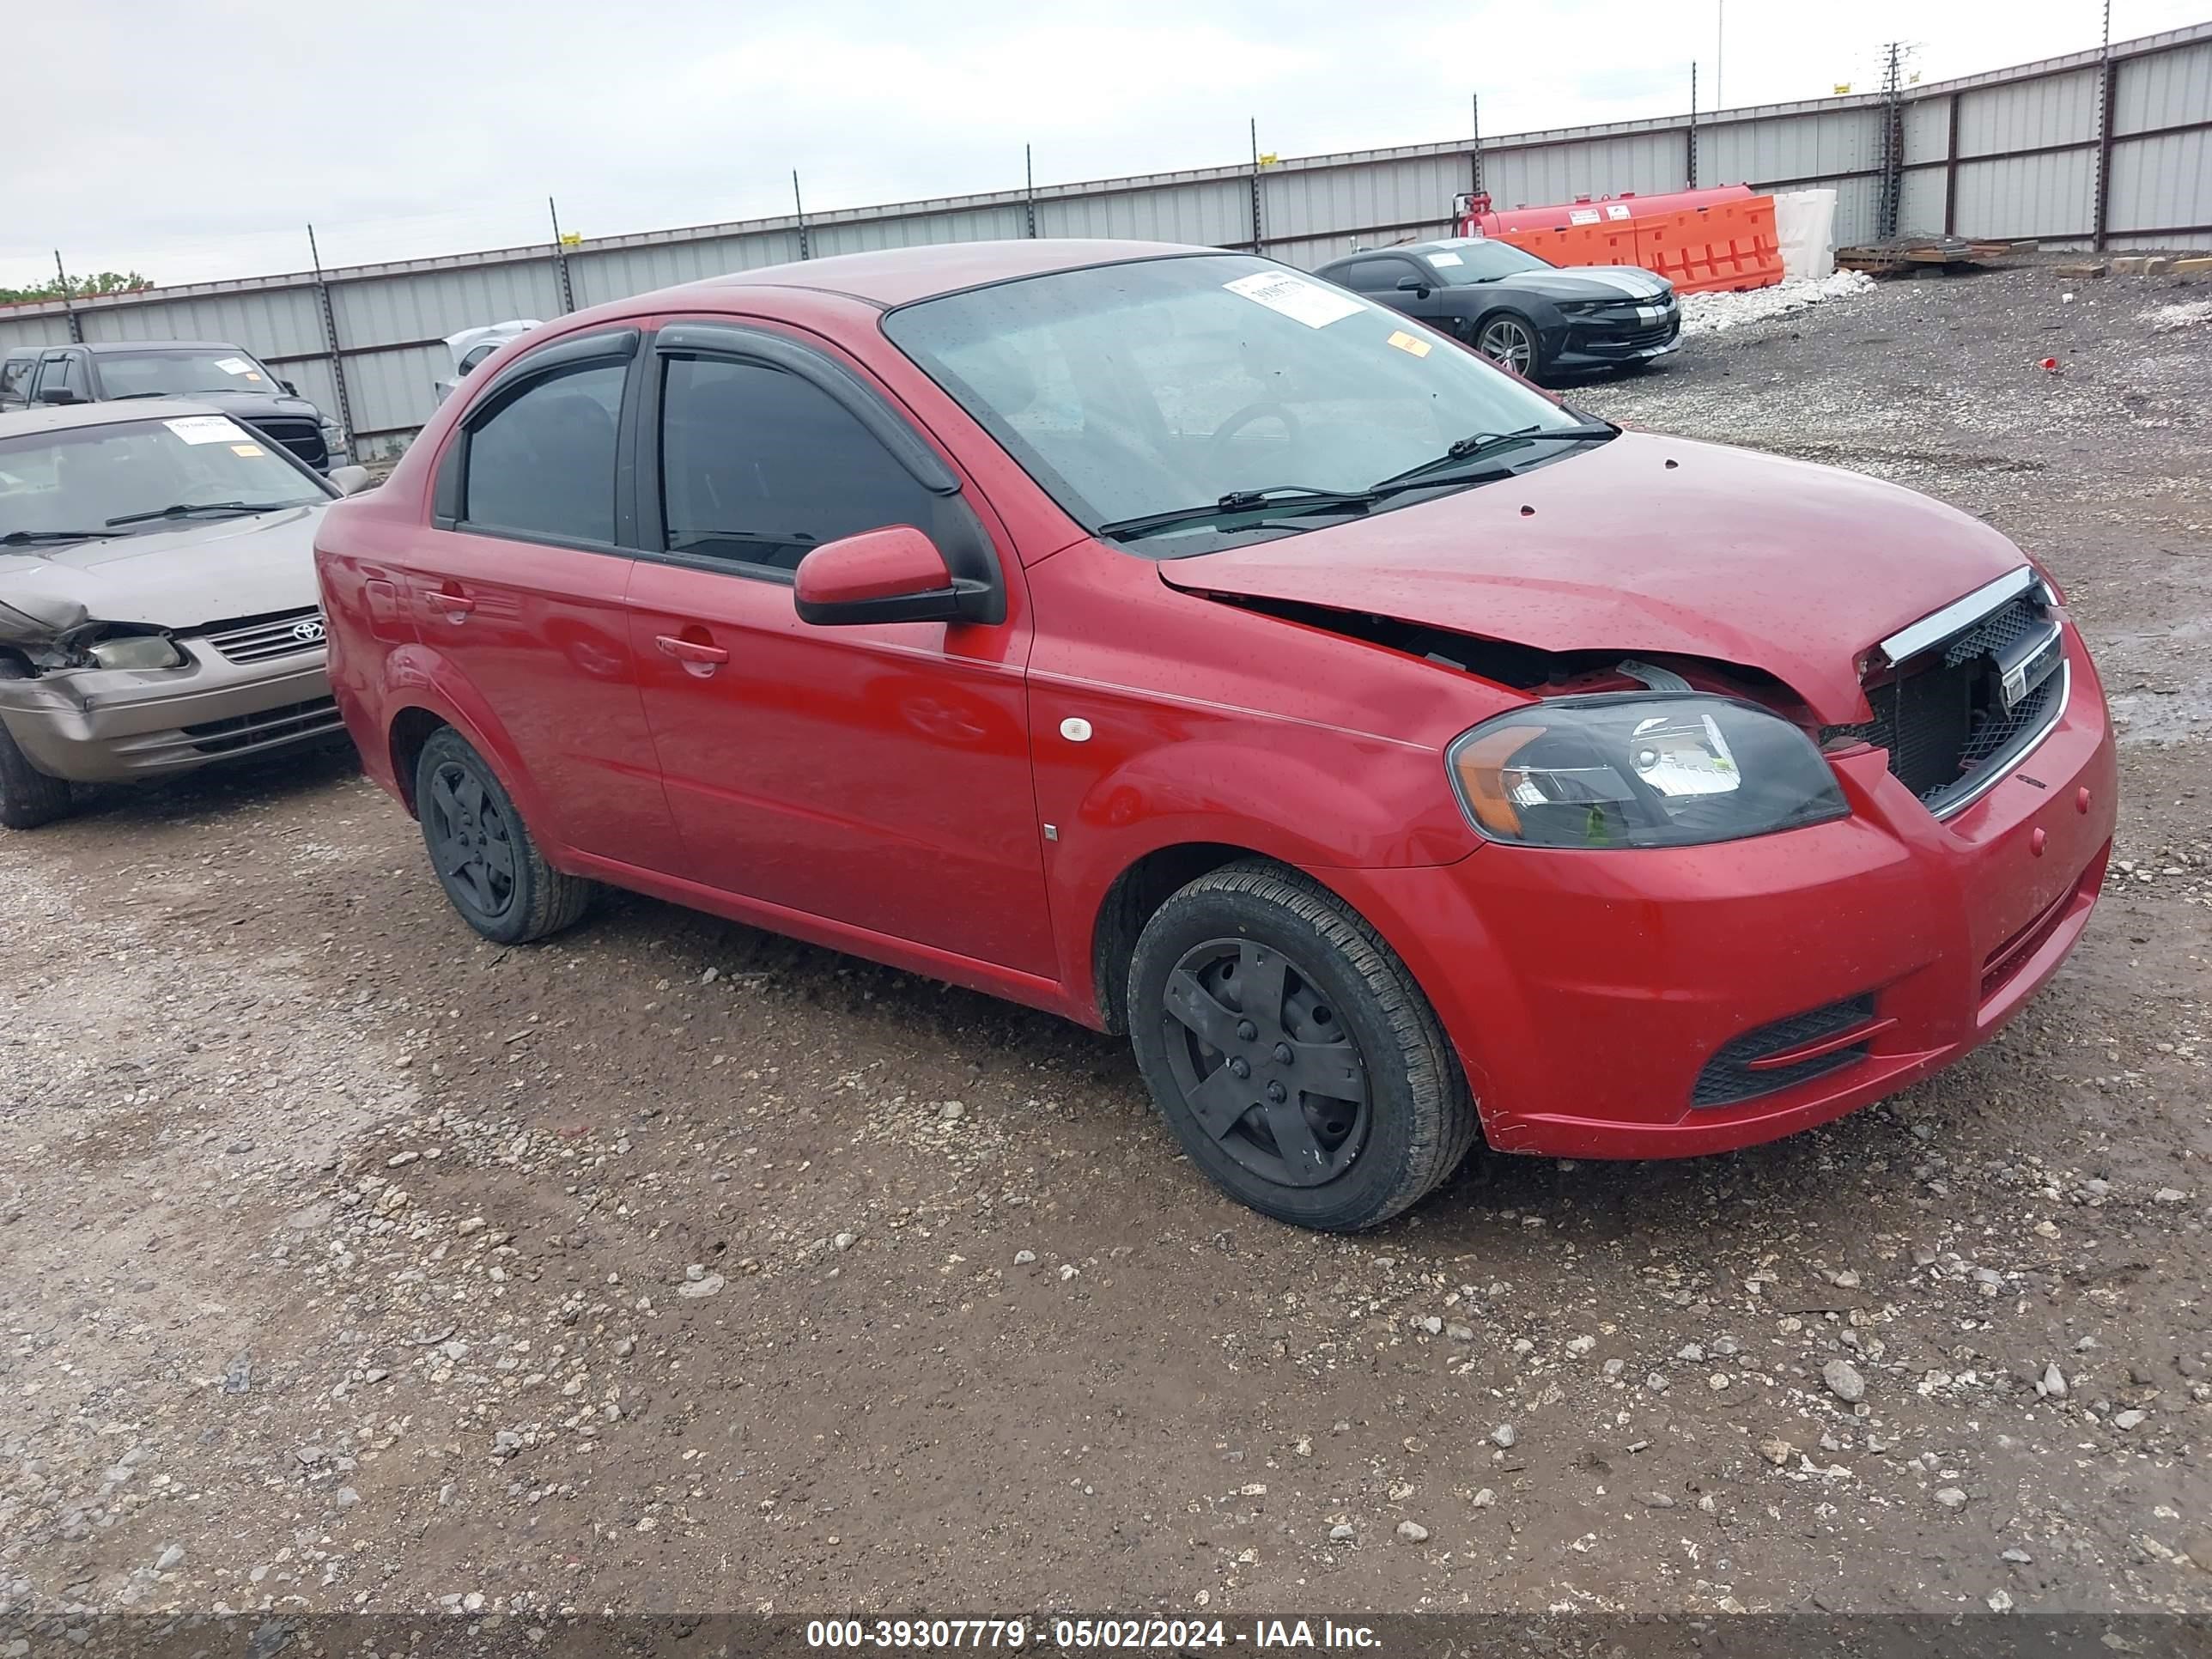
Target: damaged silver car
[{"x": 158, "y": 611}]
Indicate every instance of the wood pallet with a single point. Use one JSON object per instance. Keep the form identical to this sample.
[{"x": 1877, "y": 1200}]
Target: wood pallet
[{"x": 1926, "y": 253}]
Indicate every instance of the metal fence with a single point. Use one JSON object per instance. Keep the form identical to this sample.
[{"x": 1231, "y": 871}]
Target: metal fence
[{"x": 2111, "y": 148}]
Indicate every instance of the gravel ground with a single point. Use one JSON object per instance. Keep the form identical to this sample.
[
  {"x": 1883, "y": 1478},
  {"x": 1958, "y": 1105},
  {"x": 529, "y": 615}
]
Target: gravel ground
[{"x": 347, "y": 1261}]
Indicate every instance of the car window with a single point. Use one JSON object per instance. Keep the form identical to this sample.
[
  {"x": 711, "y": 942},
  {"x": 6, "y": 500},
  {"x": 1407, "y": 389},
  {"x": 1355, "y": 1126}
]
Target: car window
[
  {"x": 758, "y": 466},
  {"x": 1153, "y": 385},
  {"x": 60, "y": 371},
  {"x": 15, "y": 379},
  {"x": 83, "y": 478},
  {"x": 478, "y": 353},
  {"x": 1477, "y": 260},
  {"x": 180, "y": 373},
  {"x": 544, "y": 464},
  {"x": 1378, "y": 276}
]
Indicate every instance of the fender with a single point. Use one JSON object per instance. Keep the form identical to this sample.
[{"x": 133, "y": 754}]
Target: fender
[
  {"x": 418, "y": 677},
  {"x": 1250, "y": 788}
]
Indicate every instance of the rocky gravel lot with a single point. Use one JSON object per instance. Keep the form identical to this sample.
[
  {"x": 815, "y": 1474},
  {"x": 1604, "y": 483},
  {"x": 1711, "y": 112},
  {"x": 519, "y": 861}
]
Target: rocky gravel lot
[{"x": 346, "y": 1261}]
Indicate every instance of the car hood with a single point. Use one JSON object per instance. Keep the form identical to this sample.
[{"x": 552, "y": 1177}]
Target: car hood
[
  {"x": 1584, "y": 282},
  {"x": 1646, "y": 546},
  {"x": 204, "y": 571},
  {"x": 252, "y": 406}
]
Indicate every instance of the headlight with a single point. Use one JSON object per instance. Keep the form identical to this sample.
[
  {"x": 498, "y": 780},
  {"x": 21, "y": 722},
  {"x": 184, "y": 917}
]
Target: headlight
[
  {"x": 136, "y": 651},
  {"x": 1640, "y": 770}
]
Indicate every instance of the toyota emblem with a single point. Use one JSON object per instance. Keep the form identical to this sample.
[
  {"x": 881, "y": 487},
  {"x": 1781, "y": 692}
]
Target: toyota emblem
[{"x": 309, "y": 631}]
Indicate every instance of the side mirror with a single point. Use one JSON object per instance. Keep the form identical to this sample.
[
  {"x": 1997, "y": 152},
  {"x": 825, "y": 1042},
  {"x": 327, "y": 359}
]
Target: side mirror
[
  {"x": 351, "y": 480},
  {"x": 1414, "y": 286},
  {"x": 58, "y": 394},
  {"x": 892, "y": 575},
  {"x": 289, "y": 389}
]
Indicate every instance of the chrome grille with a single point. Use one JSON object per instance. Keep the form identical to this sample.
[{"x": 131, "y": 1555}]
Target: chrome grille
[
  {"x": 262, "y": 639},
  {"x": 303, "y": 438},
  {"x": 1942, "y": 712}
]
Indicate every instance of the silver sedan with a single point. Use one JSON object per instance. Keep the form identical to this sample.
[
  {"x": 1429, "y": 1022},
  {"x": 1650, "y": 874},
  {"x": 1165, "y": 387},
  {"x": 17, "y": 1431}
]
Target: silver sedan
[{"x": 158, "y": 610}]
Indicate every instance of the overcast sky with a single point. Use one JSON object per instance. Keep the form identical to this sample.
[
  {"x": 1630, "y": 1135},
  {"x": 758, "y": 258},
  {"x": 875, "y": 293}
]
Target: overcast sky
[{"x": 193, "y": 142}]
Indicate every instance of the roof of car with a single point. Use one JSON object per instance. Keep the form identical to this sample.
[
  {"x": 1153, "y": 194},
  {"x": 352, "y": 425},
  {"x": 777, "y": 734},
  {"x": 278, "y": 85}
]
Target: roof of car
[
  {"x": 60, "y": 417},
  {"x": 122, "y": 345},
  {"x": 160, "y": 345},
  {"x": 1434, "y": 244},
  {"x": 890, "y": 277}
]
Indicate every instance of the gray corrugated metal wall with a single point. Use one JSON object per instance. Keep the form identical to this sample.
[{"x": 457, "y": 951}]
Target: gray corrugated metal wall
[{"x": 2104, "y": 148}]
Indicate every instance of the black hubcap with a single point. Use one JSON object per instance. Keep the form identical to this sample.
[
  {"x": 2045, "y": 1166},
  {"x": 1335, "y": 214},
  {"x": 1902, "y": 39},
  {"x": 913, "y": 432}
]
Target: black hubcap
[
  {"x": 1264, "y": 1064},
  {"x": 469, "y": 841}
]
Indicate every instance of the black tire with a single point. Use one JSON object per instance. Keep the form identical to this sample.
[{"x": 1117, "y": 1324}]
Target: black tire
[
  {"x": 1357, "y": 1162},
  {"x": 28, "y": 797},
  {"x": 1525, "y": 358},
  {"x": 483, "y": 852}
]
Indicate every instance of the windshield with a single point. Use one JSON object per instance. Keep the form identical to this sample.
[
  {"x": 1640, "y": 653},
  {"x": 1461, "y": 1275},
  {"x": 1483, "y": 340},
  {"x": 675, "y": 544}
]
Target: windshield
[
  {"x": 79, "y": 478},
  {"x": 1475, "y": 259},
  {"x": 1142, "y": 388},
  {"x": 179, "y": 373}
]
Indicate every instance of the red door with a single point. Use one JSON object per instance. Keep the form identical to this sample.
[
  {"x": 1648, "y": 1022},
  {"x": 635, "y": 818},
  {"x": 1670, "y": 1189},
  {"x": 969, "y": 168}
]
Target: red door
[
  {"x": 878, "y": 776},
  {"x": 542, "y": 635},
  {"x": 520, "y": 584},
  {"x": 875, "y": 776}
]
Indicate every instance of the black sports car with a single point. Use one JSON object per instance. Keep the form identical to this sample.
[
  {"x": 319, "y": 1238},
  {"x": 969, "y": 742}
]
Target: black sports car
[{"x": 1534, "y": 318}]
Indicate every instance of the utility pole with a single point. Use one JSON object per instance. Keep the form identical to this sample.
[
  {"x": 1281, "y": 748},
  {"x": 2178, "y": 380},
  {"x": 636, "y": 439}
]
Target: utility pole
[
  {"x": 1693, "y": 145},
  {"x": 68, "y": 305},
  {"x": 561, "y": 260},
  {"x": 1474, "y": 114},
  {"x": 2107, "y": 76},
  {"x": 1891, "y": 182},
  {"x": 1029, "y": 188},
  {"x": 798, "y": 205},
  {"x": 336, "y": 354},
  {"x": 1256, "y": 231},
  {"x": 1720, "y": 36}
]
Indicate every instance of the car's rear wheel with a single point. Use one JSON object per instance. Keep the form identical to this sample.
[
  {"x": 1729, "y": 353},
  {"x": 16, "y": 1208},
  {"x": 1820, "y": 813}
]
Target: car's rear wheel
[
  {"x": 28, "y": 797},
  {"x": 485, "y": 858},
  {"x": 1510, "y": 339},
  {"x": 1291, "y": 1051}
]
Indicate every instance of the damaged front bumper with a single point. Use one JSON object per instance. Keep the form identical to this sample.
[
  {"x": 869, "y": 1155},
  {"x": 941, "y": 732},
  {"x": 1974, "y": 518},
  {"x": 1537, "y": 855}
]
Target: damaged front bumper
[
  {"x": 95, "y": 725},
  {"x": 1655, "y": 1003}
]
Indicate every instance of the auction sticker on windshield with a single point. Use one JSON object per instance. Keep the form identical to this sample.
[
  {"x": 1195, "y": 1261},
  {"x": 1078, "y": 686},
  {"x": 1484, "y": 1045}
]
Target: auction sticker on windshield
[
  {"x": 1300, "y": 300},
  {"x": 237, "y": 366},
  {"x": 209, "y": 430}
]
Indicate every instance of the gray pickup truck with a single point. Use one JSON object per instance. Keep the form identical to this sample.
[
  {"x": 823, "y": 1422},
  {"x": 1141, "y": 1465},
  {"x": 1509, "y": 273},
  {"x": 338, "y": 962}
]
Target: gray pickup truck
[{"x": 225, "y": 377}]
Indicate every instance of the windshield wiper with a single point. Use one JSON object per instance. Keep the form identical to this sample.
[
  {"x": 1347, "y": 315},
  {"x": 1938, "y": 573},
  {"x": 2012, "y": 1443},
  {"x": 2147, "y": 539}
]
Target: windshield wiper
[
  {"x": 1276, "y": 499},
  {"x": 1478, "y": 444},
  {"x": 187, "y": 509},
  {"x": 25, "y": 538},
  {"x": 125, "y": 397}
]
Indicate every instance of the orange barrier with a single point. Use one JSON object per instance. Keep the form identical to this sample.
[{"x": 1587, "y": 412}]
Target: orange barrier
[{"x": 1701, "y": 240}]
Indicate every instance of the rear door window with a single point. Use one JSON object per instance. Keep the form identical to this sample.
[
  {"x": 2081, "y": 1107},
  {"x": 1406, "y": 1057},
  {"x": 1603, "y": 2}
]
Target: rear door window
[
  {"x": 543, "y": 464},
  {"x": 14, "y": 381}
]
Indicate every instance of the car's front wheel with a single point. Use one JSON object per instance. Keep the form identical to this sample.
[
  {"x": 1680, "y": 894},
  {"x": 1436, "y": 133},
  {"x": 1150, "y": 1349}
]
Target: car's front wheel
[
  {"x": 1291, "y": 1051},
  {"x": 485, "y": 858},
  {"x": 1510, "y": 339},
  {"x": 28, "y": 797}
]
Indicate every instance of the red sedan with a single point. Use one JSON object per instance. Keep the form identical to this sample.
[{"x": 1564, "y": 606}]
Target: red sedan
[{"x": 1169, "y": 640}]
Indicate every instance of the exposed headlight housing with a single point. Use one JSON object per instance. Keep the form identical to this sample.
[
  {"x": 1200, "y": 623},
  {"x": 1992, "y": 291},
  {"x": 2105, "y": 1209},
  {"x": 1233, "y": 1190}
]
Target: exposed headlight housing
[
  {"x": 1640, "y": 769},
  {"x": 136, "y": 651}
]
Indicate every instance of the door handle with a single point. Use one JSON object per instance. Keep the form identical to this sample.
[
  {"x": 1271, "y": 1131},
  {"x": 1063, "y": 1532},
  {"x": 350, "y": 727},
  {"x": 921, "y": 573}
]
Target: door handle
[
  {"x": 692, "y": 653},
  {"x": 452, "y": 602}
]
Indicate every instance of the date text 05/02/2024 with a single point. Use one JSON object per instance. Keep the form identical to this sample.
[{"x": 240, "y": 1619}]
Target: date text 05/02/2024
[{"x": 1085, "y": 1635}]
